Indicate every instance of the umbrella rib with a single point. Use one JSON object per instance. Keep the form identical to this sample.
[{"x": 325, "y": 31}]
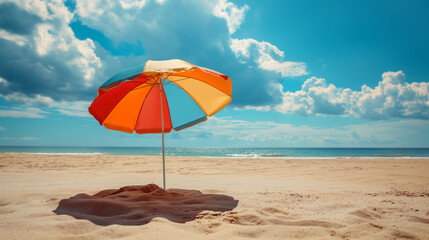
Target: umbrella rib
[
  {"x": 178, "y": 80},
  {"x": 147, "y": 85}
]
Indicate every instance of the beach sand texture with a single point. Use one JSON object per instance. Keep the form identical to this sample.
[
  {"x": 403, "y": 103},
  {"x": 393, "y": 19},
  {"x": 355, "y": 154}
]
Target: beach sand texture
[{"x": 48, "y": 196}]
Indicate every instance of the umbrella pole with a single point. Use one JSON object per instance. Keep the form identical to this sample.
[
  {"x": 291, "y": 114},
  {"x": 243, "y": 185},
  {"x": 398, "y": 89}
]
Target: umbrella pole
[{"x": 162, "y": 128}]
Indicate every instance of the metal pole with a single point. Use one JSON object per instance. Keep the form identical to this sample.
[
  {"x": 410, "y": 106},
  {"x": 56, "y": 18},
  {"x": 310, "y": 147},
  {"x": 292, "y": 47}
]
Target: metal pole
[{"x": 162, "y": 127}]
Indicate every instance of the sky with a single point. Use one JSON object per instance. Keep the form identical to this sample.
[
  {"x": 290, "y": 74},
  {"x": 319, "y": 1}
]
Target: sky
[{"x": 305, "y": 73}]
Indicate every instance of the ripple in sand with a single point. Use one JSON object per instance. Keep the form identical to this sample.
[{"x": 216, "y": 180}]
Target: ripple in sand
[
  {"x": 6, "y": 211},
  {"x": 307, "y": 223},
  {"x": 419, "y": 219},
  {"x": 365, "y": 214},
  {"x": 403, "y": 235}
]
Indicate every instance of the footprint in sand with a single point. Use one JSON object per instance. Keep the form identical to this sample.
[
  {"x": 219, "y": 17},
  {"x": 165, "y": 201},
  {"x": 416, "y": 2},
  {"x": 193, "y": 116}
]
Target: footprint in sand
[{"x": 244, "y": 219}]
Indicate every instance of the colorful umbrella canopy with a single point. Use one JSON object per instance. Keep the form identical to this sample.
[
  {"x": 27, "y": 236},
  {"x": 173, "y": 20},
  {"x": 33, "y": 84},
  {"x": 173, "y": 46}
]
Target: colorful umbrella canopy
[{"x": 159, "y": 96}]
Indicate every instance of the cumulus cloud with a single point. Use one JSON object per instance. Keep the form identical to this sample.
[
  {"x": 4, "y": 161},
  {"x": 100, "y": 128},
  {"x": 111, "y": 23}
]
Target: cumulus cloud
[
  {"x": 21, "y": 98},
  {"x": 40, "y": 53},
  {"x": 391, "y": 98},
  {"x": 233, "y": 15},
  {"x": 267, "y": 56},
  {"x": 16, "y": 38},
  {"x": 127, "y": 4}
]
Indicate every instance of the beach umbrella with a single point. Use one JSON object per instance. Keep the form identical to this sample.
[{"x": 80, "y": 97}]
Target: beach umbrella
[{"x": 160, "y": 96}]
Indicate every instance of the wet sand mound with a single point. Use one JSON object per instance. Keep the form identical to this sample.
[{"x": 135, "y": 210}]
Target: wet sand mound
[{"x": 138, "y": 205}]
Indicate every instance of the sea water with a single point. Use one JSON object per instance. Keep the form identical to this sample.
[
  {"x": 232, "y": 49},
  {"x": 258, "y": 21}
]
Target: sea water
[{"x": 232, "y": 152}]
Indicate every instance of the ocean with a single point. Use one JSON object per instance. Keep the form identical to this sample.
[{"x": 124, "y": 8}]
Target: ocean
[{"x": 232, "y": 152}]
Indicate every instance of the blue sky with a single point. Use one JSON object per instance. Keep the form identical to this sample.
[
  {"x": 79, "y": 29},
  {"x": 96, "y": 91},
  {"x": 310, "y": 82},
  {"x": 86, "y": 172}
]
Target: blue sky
[{"x": 304, "y": 73}]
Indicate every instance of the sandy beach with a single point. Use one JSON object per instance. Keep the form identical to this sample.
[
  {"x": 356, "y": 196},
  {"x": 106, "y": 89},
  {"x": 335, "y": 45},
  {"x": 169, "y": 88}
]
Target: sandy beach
[{"x": 49, "y": 196}]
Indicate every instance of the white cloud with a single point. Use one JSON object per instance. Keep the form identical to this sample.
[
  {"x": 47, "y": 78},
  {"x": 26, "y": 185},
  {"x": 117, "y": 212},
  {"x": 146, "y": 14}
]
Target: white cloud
[
  {"x": 23, "y": 112},
  {"x": 76, "y": 108},
  {"x": 287, "y": 68},
  {"x": 70, "y": 108},
  {"x": 267, "y": 56},
  {"x": 2, "y": 128},
  {"x": 258, "y": 108},
  {"x": 60, "y": 42},
  {"x": 3, "y": 82},
  {"x": 243, "y": 46},
  {"x": 16, "y": 38},
  {"x": 234, "y": 16},
  {"x": 127, "y": 4},
  {"x": 118, "y": 20},
  {"x": 391, "y": 98},
  {"x": 47, "y": 10},
  {"x": 44, "y": 39},
  {"x": 21, "y": 98},
  {"x": 47, "y": 48}
]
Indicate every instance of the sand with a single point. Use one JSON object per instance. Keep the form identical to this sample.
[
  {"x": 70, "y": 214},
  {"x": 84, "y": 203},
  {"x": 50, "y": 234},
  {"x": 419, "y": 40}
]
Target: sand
[{"x": 47, "y": 196}]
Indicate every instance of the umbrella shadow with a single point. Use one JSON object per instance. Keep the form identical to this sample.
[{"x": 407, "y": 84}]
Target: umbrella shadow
[{"x": 138, "y": 205}]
